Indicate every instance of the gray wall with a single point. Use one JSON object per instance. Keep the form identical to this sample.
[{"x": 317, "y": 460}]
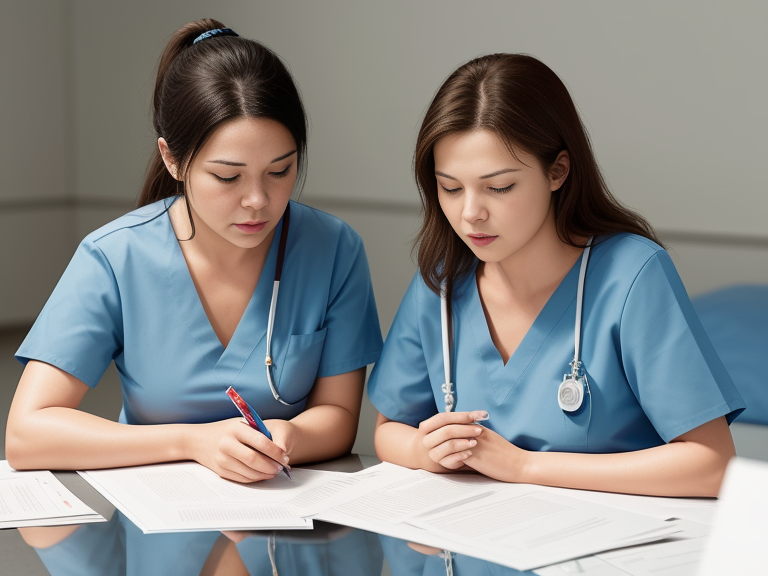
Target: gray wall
[{"x": 673, "y": 94}]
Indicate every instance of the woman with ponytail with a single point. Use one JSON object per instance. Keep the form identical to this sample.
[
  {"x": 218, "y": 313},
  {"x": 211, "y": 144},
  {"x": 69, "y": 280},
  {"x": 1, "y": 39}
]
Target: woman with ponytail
[{"x": 182, "y": 293}]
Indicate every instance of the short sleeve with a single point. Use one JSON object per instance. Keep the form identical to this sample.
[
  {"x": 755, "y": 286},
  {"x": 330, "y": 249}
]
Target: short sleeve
[
  {"x": 670, "y": 363},
  {"x": 80, "y": 327},
  {"x": 353, "y": 335},
  {"x": 399, "y": 386}
]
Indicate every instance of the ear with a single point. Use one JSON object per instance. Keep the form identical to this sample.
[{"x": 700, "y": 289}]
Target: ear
[
  {"x": 165, "y": 153},
  {"x": 559, "y": 170}
]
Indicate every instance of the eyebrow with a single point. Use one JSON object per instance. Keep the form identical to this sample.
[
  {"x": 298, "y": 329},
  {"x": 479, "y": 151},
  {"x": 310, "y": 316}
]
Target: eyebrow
[
  {"x": 230, "y": 163},
  {"x": 491, "y": 175}
]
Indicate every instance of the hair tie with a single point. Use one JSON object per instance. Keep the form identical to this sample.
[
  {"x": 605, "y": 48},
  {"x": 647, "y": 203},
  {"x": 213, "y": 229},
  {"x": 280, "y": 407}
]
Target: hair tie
[{"x": 215, "y": 32}]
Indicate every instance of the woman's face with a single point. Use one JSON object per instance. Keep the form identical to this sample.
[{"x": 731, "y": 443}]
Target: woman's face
[
  {"x": 495, "y": 202},
  {"x": 241, "y": 180}
]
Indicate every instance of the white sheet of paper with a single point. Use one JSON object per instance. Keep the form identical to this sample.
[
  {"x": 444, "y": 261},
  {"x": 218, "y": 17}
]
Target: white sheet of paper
[
  {"x": 38, "y": 498},
  {"x": 697, "y": 509},
  {"x": 185, "y": 496},
  {"x": 738, "y": 535},
  {"x": 392, "y": 494},
  {"x": 679, "y": 555},
  {"x": 487, "y": 519},
  {"x": 534, "y": 527}
]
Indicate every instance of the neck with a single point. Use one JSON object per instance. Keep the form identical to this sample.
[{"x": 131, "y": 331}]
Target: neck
[
  {"x": 207, "y": 246},
  {"x": 537, "y": 267}
]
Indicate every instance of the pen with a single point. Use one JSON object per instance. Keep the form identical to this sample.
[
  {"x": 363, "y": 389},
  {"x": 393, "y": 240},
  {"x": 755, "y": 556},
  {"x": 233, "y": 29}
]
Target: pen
[{"x": 253, "y": 420}]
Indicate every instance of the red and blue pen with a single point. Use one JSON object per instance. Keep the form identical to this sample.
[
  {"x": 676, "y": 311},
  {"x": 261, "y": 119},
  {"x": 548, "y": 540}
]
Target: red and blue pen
[{"x": 253, "y": 420}]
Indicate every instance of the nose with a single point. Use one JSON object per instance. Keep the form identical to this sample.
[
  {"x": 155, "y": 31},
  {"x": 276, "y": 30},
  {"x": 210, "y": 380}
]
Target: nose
[
  {"x": 474, "y": 209},
  {"x": 256, "y": 197}
]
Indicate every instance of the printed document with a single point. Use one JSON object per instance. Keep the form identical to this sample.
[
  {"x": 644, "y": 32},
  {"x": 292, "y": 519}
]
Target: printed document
[
  {"x": 186, "y": 496},
  {"x": 516, "y": 525},
  {"x": 38, "y": 498}
]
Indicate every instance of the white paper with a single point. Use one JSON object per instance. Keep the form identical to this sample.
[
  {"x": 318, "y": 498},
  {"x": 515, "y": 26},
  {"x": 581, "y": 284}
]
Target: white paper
[
  {"x": 392, "y": 494},
  {"x": 516, "y": 525},
  {"x": 535, "y": 527},
  {"x": 679, "y": 555},
  {"x": 185, "y": 496},
  {"x": 697, "y": 509},
  {"x": 38, "y": 498},
  {"x": 737, "y": 542}
]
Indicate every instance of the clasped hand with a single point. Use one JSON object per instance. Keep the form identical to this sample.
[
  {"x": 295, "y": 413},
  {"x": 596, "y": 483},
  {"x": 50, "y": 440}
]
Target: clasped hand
[
  {"x": 235, "y": 451},
  {"x": 455, "y": 441}
]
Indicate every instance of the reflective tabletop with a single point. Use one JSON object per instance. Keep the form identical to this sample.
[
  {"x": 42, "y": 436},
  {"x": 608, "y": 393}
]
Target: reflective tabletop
[{"x": 118, "y": 548}]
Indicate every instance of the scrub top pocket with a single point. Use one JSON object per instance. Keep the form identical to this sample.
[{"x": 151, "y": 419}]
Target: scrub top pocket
[{"x": 299, "y": 367}]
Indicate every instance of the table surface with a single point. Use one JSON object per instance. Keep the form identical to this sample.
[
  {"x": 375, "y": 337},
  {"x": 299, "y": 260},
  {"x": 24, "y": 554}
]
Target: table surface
[{"x": 118, "y": 548}]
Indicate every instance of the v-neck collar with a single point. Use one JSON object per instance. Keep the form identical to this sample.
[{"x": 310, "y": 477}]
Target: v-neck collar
[
  {"x": 226, "y": 362},
  {"x": 504, "y": 377}
]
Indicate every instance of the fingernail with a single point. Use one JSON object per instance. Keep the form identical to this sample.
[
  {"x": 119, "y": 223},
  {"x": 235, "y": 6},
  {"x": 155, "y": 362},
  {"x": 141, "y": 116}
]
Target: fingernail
[
  {"x": 285, "y": 459},
  {"x": 466, "y": 455},
  {"x": 484, "y": 416},
  {"x": 478, "y": 430},
  {"x": 472, "y": 443}
]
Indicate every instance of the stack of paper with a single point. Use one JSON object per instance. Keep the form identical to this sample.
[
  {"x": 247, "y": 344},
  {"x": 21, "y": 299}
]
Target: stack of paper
[
  {"x": 38, "y": 498},
  {"x": 515, "y": 525},
  {"x": 185, "y": 496}
]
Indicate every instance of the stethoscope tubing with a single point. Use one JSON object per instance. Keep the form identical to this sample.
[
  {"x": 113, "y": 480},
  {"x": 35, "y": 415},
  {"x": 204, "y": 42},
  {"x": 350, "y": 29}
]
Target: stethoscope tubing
[
  {"x": 268, "y": 362},
  {"x": 445, "y": 313}
]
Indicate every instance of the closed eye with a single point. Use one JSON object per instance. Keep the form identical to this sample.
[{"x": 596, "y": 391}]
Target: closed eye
[
  {"x": 282, "y": 173},
  {"x": 450, "y": 190},
  {"x": 227, "y": 180},
  {"x": 501, "y": 190}
]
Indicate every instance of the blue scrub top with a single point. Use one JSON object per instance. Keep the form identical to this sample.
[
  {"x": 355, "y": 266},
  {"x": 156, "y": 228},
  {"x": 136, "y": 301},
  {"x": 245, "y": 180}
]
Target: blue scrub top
[
  {"x": 127, "y": 296},
  {"x": 653, "y": 374}
]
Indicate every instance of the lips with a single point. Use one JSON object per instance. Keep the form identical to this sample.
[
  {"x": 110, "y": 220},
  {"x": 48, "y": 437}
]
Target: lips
[
  {"x": 481, "y": 239},
  {"x": 251, "y": 227}
]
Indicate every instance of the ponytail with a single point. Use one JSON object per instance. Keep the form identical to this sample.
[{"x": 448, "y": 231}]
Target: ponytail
[
  {"x": 201, "y": 84},
  {"x": 158, "y": 182}
]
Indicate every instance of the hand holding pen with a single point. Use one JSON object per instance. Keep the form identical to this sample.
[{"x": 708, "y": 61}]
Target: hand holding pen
[{"x": 253, "y": 420}]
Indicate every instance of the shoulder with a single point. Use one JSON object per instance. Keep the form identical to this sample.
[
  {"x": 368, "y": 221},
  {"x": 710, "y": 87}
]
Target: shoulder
[
  {"x": 627, "y": 246},
  {"x": 132, "y": 241},
  {"x": 320, "y": 241},
  {"x": 624, "y": 255},
  {"x": 420, "y": 301},
  {"x": 316, "y": 226},
  {"x": 129, "y": 223}
]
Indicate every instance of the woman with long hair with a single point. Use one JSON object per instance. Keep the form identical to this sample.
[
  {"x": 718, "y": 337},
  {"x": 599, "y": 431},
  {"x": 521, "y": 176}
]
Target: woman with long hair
[
  {"x": 182, "y": 294},
  {"x": 546, "y": 337}
]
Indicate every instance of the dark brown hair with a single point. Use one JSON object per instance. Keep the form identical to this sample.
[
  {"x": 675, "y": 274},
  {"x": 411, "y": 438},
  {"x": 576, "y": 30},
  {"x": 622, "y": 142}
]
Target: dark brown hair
[
  {"x": 201, "y": 85},
  {"x": 529, "y": 108}
]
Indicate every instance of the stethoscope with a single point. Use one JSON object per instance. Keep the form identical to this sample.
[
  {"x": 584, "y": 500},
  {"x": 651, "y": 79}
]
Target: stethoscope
[
  {"x": 570, "y": 393},
  {"x": 273, "y": 307}
]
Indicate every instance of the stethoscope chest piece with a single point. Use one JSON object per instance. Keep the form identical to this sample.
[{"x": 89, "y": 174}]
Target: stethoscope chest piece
[{"x": 570, "y": 394}]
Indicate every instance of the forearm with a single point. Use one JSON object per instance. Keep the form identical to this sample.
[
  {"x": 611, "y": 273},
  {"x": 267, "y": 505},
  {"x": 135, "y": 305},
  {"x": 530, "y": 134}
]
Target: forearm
[
  {"x": 691, "y": 465},
  {"x": 327, "y": 427},
  {"x": 61, "y": 438},
  {"x": 321, "y": 433},
  {"x": 674, "y": 469}
]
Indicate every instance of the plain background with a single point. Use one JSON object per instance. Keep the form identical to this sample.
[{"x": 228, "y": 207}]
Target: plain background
[{"x": 672, "y": 93}]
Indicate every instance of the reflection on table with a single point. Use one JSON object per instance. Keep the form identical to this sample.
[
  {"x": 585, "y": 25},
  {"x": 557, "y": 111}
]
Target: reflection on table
[{"x": 118, "y": 548}]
